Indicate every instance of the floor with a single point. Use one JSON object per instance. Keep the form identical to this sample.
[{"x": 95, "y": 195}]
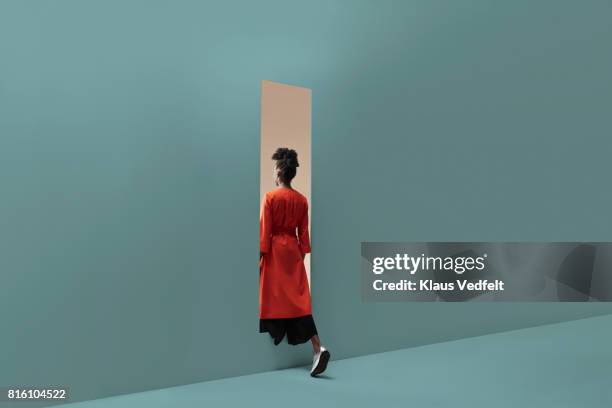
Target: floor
[{"x": 561, "y": 365}]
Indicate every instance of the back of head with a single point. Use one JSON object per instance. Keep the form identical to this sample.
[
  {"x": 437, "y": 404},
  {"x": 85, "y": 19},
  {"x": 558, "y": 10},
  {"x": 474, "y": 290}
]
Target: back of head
[{"x": 286, "y": 163}]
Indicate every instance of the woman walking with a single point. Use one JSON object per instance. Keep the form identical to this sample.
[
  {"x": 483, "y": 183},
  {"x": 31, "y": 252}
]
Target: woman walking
[{"x": 284, "y": 295}]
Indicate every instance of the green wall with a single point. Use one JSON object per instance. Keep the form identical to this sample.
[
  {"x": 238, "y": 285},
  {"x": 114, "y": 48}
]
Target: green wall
[{"x": 129, "y": 134}]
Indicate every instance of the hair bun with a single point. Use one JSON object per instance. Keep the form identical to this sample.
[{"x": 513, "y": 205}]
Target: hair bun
[{"x": 286, "y": 156}]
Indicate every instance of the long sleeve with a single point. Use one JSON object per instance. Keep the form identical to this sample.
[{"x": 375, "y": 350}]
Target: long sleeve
[
  {"x": 303, "y": 234},
  {"x": 265, "y": 226}
]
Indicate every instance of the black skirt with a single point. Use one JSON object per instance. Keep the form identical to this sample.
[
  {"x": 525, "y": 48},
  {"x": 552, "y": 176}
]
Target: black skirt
[{"x": 298, "y": 329}]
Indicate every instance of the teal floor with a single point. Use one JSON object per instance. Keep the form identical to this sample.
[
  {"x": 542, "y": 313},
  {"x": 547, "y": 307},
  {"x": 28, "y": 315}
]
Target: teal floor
[{"x": 561, "y": 365}]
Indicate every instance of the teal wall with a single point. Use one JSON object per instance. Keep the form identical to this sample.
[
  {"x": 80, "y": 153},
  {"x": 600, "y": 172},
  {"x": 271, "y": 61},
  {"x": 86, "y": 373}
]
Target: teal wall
[{"x": 129, "y": 134}]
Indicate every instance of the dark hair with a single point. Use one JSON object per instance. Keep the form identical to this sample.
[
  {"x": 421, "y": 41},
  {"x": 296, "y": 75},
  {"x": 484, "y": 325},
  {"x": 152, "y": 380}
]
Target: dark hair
[{"x": 286, "y": 162}]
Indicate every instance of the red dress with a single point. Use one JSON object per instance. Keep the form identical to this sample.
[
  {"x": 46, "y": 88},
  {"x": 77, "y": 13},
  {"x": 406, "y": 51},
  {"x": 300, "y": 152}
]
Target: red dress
[{"x": 283, "y": 239}]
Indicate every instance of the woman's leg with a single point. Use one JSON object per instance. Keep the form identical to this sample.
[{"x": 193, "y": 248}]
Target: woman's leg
[{"x": 316, "y": 344}]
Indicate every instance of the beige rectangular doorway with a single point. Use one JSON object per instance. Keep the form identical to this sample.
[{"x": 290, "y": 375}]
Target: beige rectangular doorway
[{"x": 286, "y": 122}]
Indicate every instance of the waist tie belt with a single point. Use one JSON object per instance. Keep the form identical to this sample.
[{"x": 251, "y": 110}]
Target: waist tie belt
[{"x": 286, "y": 231}]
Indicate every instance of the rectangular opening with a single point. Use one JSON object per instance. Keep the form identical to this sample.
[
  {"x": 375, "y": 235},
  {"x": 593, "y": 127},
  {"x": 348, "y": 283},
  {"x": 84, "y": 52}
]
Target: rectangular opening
[{"x": 286, "y": 122}]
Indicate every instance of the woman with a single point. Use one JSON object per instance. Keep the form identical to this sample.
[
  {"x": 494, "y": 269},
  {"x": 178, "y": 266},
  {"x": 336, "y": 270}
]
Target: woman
[{"x": 284, "y": 296}]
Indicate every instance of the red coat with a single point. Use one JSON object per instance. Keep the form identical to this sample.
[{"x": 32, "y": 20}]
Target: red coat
[{"x": 283, "y": 284}]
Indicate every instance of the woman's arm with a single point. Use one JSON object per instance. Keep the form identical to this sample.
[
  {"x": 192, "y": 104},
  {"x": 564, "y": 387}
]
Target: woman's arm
[
  {"x": 265, "y": 227},
  {"x": 303, "y": 235}
]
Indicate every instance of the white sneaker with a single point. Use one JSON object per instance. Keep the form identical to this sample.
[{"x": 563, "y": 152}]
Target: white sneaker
[{"x": 319, "y": 362}]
